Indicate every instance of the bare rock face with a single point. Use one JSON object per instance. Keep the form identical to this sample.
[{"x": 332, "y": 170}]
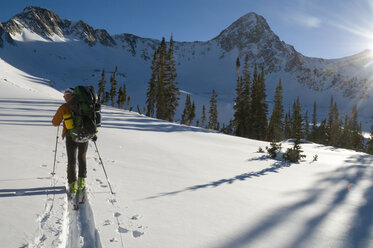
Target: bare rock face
[
  {"x": 252, "y": 35},
  {"x": 47, "y": 24}
]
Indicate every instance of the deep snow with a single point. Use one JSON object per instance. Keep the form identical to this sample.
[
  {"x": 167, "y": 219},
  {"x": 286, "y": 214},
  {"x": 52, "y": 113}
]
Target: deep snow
[{"x": 175, "y": 186}]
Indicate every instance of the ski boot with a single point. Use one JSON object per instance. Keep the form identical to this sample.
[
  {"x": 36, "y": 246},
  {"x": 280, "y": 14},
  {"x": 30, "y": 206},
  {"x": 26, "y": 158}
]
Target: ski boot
[{"x": 81, "y": 190}]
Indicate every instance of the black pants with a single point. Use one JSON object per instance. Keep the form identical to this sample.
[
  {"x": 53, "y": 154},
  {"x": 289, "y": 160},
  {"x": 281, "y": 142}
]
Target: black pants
[{"x": 71, "y": 148}]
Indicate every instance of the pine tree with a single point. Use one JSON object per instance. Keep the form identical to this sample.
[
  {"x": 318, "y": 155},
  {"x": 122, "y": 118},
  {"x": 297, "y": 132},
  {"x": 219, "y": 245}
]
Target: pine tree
[
  {"x": 128, "y": 102},
  {"x": 334, "y": 125},
  {"x": 370, "y": 142},
  {"x": 213, "y": 112},
  {"x": 151, "y": 94},
  {"x": 287, "y": 125},
  {"x": 122, "y": 96},
  {"x": 113, "y": 89},
  {"x": 119, "y": 100},
  {"x": 297, "y": 122},
  {"x": 246, "y": 86},
  {"x": 106, "y": 98},
  {"x": 306, "y": 126},
  {"x": 172, "y": 92},
  {"x": 101, "y": 87},
  {"x": 314, "y": 124},
  {"x": 192, "y": 114},
  {"x": 161, "y": 98},
  {"x": 187, "y": 111},
  {"x": 294, "y": 154},
  {"x": 357, "y": 138},
  {"x": 259, "y": 107},
  {"x": 322, "y": 133},
  {"x": 276, "y": 124},
  {"x": 203, "y": 117},
  {"x": 239, "y": 114}
]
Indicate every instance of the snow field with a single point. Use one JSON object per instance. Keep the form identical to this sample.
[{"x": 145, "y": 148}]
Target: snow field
[{"x": 175, "y": 186}]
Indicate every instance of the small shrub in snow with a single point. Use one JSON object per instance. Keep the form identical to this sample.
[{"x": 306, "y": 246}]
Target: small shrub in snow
[
  {"x": 294, "y": 154},
  {"x": 274, "y": 149},
  {"x": 315, "y": 157},
  {"x": 260, "y": 150}
]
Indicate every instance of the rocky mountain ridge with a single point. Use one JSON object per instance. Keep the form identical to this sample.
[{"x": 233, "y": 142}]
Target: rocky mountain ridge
[{"x": 201, "y": 66}]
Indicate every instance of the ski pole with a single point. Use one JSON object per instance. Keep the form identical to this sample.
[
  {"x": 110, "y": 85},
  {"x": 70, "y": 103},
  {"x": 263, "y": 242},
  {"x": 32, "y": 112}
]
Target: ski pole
[
  {"x": 55, "y": 152},
  {"x": 103, "y": 167}
]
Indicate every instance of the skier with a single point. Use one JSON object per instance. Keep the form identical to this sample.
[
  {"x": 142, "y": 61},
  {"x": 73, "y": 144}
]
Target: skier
[{"x": 72, "y": 147}]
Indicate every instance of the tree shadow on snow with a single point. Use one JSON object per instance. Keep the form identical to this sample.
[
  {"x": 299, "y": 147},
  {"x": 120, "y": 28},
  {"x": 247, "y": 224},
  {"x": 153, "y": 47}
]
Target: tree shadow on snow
[
  {"x": 144, "y": 123},
  {"x": 274, "y": 168},
  {"x": 32, "y": 191},
  {"x": 328, "y": 194}
]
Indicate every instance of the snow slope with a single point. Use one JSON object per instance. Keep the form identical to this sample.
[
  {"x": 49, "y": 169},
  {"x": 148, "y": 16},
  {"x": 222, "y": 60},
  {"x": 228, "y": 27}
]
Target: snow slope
[{"x": 175, "y": 186}]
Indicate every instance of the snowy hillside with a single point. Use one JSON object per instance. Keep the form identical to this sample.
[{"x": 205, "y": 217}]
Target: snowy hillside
[
  {"x": 176, "y": 186},
  {"x": 65, "y": 52}
]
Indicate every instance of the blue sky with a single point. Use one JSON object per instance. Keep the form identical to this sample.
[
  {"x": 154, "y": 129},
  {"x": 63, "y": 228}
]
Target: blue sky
[{"x": 317, "y": 28}]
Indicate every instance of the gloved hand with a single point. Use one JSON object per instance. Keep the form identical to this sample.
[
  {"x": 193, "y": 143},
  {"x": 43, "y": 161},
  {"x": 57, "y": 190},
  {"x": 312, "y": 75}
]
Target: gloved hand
[{"x": 94, "y": 138}]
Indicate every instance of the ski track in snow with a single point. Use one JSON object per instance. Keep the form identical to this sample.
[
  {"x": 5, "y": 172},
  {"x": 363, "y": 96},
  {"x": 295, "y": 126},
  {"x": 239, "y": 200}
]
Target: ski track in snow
[
  {"x": 81, "y": 228},
  {"x": 60, "y": 226}
]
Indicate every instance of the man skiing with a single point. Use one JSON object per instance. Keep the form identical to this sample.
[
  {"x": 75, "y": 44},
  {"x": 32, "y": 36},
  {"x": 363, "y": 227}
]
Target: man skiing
[{"x": 72, "y": 147}]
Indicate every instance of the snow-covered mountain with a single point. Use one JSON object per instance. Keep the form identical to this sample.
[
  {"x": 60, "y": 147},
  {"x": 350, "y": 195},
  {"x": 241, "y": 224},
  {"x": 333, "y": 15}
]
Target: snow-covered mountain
[
  {"x": 39, "y": 42},
  {"x": 175, "y": 186}
]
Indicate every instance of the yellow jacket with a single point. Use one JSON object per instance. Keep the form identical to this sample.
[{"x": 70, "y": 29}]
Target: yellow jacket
[{"x": 58, "y": 117}]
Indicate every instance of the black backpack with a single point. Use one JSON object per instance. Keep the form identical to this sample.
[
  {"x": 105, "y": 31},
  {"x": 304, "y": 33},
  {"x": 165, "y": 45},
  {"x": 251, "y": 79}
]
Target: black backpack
[{"x": 86, "y": 113}]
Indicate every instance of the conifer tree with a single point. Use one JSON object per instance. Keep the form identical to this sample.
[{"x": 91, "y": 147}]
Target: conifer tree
[
  {"x": 314, "y": 124},
  {"x": 128, "y": 102},
  {"x": 101, "y": 87},
  {"x": 151, "y": 93},
  {"x": 161, "y": 98},
  {"x": 322, "y": 133},
  {"x": 239, "y": 114},
  {"x": 370, "y": 142},
  {"x": 113, "y": 89},
  {"x": 246, "y": 98},
  {"x": 213, "y": 112},
  {"x": 287, "y": 125},
  {"x": 276, "y": 124},
  {"x": 172, "y": 92},
  {"x": 107, "y": 97},
  {"x": 259, "y": 107},
  {"x": 346, "y": 134},
  {"x": 357, "y": 138},
  {"x": 334, "y": 125},
  {"x": 119, "y": 100},
  {"x": 297, "y": 122},
  {"x": 122, "y": 96},
  {"x": 187, "y": 111},
  {"x": 203, "y": 117},
  {"x": 294, "y": 154},
  {"x": 306, "y": 126}
]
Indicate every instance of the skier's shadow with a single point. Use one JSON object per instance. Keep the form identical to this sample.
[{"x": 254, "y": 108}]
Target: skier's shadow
[{"x": 32, "y": 191}]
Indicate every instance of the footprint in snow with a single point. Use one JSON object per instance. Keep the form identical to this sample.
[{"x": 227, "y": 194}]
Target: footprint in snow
[
  {"x": 113, "y": 240},
  {"x": 112, "y": 201},
  {"x": 117, "y": 214},
  {"x": 107, "y": 222},
  {"x": 136, "y": 217},
  {"x": 137, "y": 234},
  {"x": 122, "y": 230}
]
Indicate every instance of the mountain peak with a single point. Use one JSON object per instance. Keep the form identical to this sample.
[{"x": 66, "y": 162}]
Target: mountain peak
[
  {"x": 252, "y": 36},
  {"x": 247, "y": 24},
  {"x": 41, "y": 20}
]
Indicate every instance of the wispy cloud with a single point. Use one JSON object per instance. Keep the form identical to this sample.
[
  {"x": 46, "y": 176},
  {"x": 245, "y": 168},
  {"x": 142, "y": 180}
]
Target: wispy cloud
[{"x": 306, "y": 20}]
